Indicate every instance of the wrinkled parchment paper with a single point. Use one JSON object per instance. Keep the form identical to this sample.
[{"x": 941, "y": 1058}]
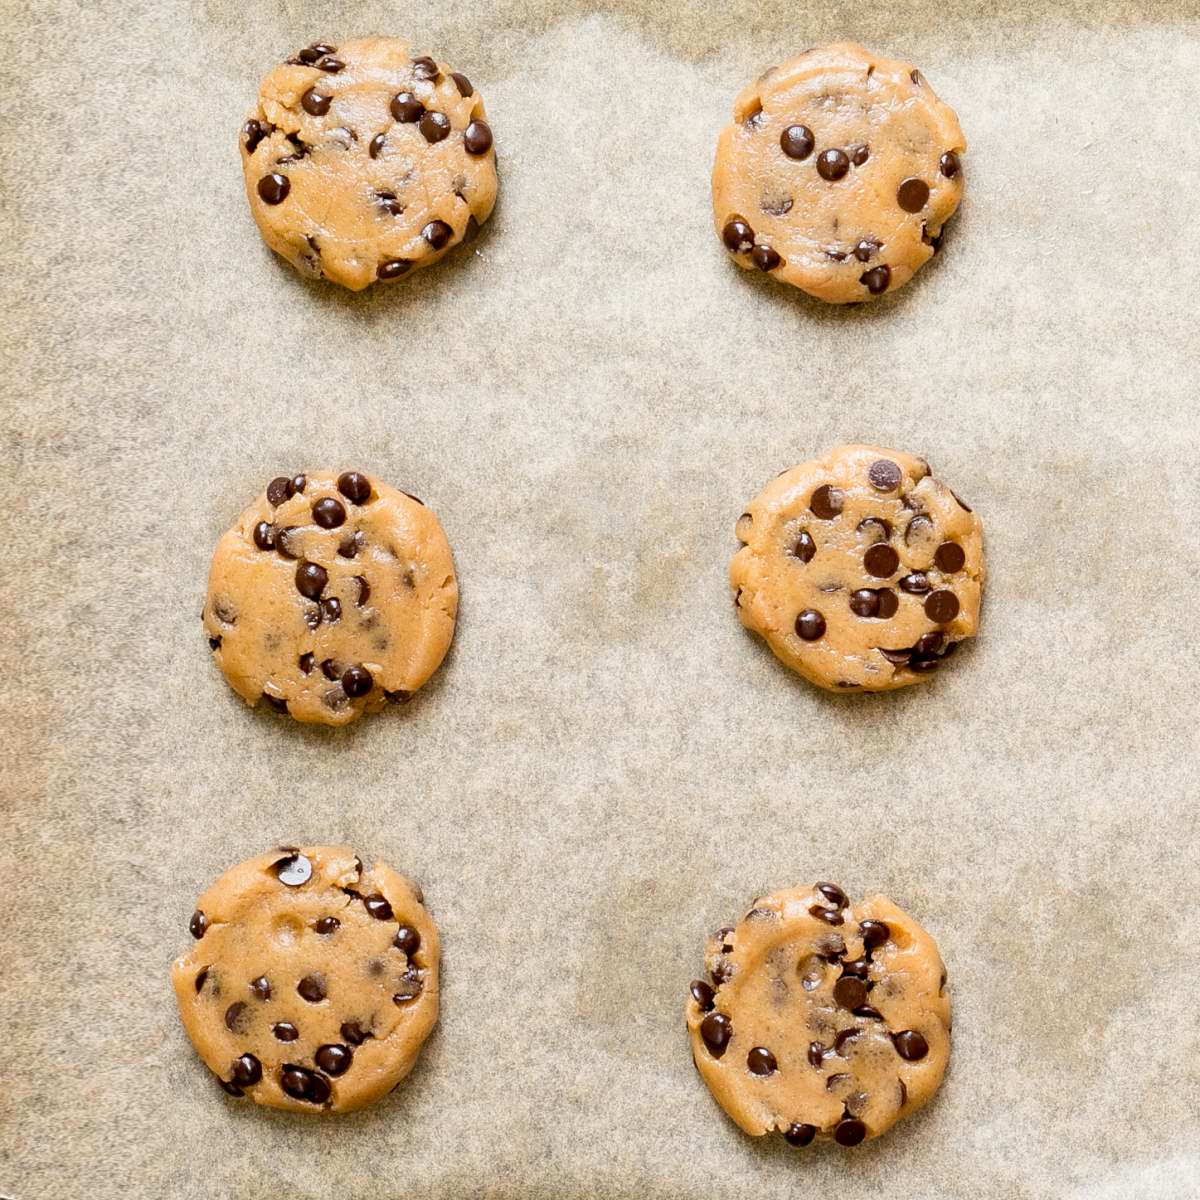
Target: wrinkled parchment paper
[{"x": 607, "y": 766}]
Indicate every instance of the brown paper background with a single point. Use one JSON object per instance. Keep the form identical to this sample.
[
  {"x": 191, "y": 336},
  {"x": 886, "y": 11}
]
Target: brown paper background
[{"x": 607, "y": 766}]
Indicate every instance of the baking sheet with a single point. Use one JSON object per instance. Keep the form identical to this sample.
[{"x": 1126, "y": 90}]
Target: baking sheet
[{"x": 607, "y": 766}]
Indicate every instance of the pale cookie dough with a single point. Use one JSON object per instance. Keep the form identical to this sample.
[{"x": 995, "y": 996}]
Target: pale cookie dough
[
  {"x": 838, "y": 173},
  {"x": 363, "y": 162},
  {"x": 331, "y": 596},
  {"x": 822, "y": 1018},
  {"x": 313, "y": 982},
  {"x": 860, "y": 570}
]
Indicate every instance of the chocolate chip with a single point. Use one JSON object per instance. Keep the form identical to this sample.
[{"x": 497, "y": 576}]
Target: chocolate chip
[
  {"x": 399, "y": 696},
  {"x": 928, "y": 644},
  {"x": 765, "y": 258},
  {"x": 888, "y": 603},
  {"x": 357, "y": 681},
  {"x": 805, "y": 547},
  {"x": 800, "y": 1135},
  {"x": 311, "y": 579},
  {"x": 816, "y": 1054},
  {"x": 868, "y": 1013},
  {"x": 941, "y": 606},
  {"x": 407, "y": 939},
  {"x": 829, "y": 915},
  {"x": 844, "y": 1036},
  {"x": 810, "y": 625},
  {"x": 797, "y": 141},
  {"x": 477, "y": 137},
  {"x": 326, "y": 925},
  {"x": 201, "y": 978},
  {"x": 302, "y": 1084},
  {"x": 910, "y": 1045},
  {"x": 331, "y": 609},
  {"x": 913, "y": 194},
  {"x": 865, "y": 602},
  {"x": 434, "y": 126},
  {"x": 827, "y": 502},
  {"x": 737, "y": 236},
  {"x": 866, "y": 248},
  {"x": 876, "y": 279},
  {"x": 279, "y": 490},
  {"x": 437, "y": 234},
  {"x": 273, "y": 188},
  {"x": 246, "y": 1071},
  {"x": 333, "y": 1058},
  {"x": 264, "y": 535},
  {"x": 314, "y": 103},
  {"x": 761, "y": 1061},
  {"x": 255, "y": 131},
  {"x": 873, "y": 933},
  {"x": 903, "y": 1092},
  {"x": 312, "y": 988},
  {"x": 198, "y": 925},
  {"x": 375, "y": 149},
  {"x": 297, "y": 483},
  {"x": 261, "y": 987},
  {"x": 832, "y": 164},
  {"x": 355, "y": 486},
  {"x": 462, "y": 83},
  {"x": 715, "y": 1031},
  {"x": 285, "y": 1031},
  {"x": 915, "y": 584},
  {"x": 833, "y": 894},
  {"x": 836, "y": 1081},
  {"x": 858, "y": 154},
  {"x": 329, "y": 669},
  {"x": 329, "y": 513},
  {"x": 916, "y": 77},
  {"x": 278, "y": 703},
  {"x": 850, "y": 991},
  {"x": 393, "y": 268},
  {"x": 283, "y": 541},
  {"x": 884, "y": 475},
  {"x": 949, "y": 164},
  {"x": 235, "y": 1017},
  {"x": 949, "y": 557},
  {"x": 378, "y": 906},
  {"x": 881, "y": 561},
  {"x": 329, "y": 63},
  {"x": 309, "y": 55},
  {"x": 353, "y": 1033},
  {"x": 214, "y": 643},
  {"x": 231, "y": 1088},
  {"x": 425, "y": 68},
  {"x": 849, "y": 1132},
  {"x": 295, "y": 870},
  {"x": 406, "y": 108},
  {"x": 701, "y": 993}
]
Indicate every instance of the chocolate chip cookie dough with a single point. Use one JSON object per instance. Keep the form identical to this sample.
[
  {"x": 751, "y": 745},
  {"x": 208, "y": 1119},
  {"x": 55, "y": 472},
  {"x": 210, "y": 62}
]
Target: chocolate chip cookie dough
[
  {"x": 330, "y": 596},
  {"x": 860, "y": 569},
  {"x": 838, "y": 173},
  {"x": 313, "y": 981},
  {"x": 822, "y": 1018},
  {"x": 363, "y": 162}
]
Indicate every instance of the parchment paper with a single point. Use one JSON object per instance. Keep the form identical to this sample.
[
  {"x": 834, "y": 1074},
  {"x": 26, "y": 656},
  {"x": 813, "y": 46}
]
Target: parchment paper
[{"x": 607, "y": 766}]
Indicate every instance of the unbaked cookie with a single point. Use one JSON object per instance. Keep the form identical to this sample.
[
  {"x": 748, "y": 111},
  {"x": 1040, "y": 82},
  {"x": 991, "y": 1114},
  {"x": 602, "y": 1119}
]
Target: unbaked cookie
[
  {"x": 330, "y": 596},
  {"x": 313, "y": 981},
  {"x": 822, "y": 1018},
  {"x": 838, "y": 173},
  {"x": 363, "y": 162},
  {"x": 860, "y": 569}
]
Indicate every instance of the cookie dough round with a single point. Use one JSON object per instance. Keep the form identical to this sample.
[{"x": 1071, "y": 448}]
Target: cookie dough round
[
  {"x": 822, "y": 1018},
  {"x": 364, "y": 163},
  {"x": 860, "y": 569},
  {"x": 313, "y": 981},
  {"x": 330, "y": 596},
  {"x": 838, "y": 173}
]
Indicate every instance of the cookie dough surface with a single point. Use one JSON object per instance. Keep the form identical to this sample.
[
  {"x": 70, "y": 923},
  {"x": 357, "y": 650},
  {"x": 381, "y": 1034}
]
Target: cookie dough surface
[
  {"x": 364, "y": 163},
  {"x": 312, "y": 982},
  {"x": 821, "y": 1018},
  {"x": 330, "y": 596},
  {"x": 837, "y": 174},
  {"x": 860, "y": 569}
]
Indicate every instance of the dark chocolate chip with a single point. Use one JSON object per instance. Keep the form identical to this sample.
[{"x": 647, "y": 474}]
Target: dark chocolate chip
[
  {"x": 827, "y": 502},
  {"x": 364, "y": 590},
  {"x": 399, "y": 696},
  {"x": 849, "y": 1132},
  {"x": 765, "y": 258},
  {"x": 375, "y": 149},
  {"x": 198, "y": 925},
  {"x": 264, "y": 535},
  {"x": 881, "y": 561},
  {"x": 835, "y": 1081},
  {"x": 949, "y": 164},
  {"x": 437, "y": 234},
  {"x": 278, "y": 703},
  {"x": 850, "y": 991},
  {"x": 254, "y": 131},
  {"x": 279, "y": 490},
  {"x": 326, "y": 924},
  {"x": 314, "y": 103},
  {"x": 312, "y": 988},
  {"x": 231, "y": 1088},
  {"x": 797, "y": 141},
  {"x": 913, "y": 194},
  {"x": 941, "y": 606},
  {"x": 715, "y": 1031},
  {"x": 876, "y": 279},
  {"x": 285, "y": 1031},
  {"x": 357, "y": 681},
  {"x": 844, "y": 1037},
  {"x": 355, "y": 486},
  {"x": 800, "y": 1135},
  {"x": 866, "y": 248},
  {"x": 889, "y": 602},
  {"x": 949, "y": 557},
  {"x": 214, "y": 643},
  {"x": 868, "y": 1013},
  {"x": 477, "y": 137},
  {"x": 407, "y": 939},
  {"x": 865, "y": 603},
  {"x": 462, "y": 83},
  {"x": 910, "y": 1045},
  {"x": 273, "y": 188},
  {"x": 434, "y": 126},
  {"x": 805, "y": 547},
  {"x": 354, "y": 1033},
  {"x": 235, "y": 1017},
  {"x": 884, "y": 475},
  {"x": 283, "y": 541},
  {"x": 302, "y": 1084},
  {"x": 328, "y": 63},
  {"x": 876, "y": 528},
  {"x": 833, "y": 894},
  {"x": 406, "y": 108},
  {"x": 246, "y": 1071},
  {"x": 393, "y": 268},
  {"x": 261, "y": 987},
  {"x": 378, "y": 906},
  {"x": 329, "y": 513},
  {"x": 737, "y": 236},
  {"x": 333, "y": 1058},
  {"x": 928, "y": 644},
  {"x": 201, "y": 978},
  {"x": 873, "y": 933},
  {"x": 903, "y": 1092},
  {"x": 329, "y": 669},
  {"x": 858, "y": 154},
  {"x": 295, "y": 870},
  {"x": 816, "y": 1054},
  {"x": 331, "y": 609},
  {"x": 830, "y": 916},
  {"x": 810, "y": 625},
  {"x": 761, "y": 1061},
  {"x": 425, "y": 68},
  {"x": 832, "y": 164},
  {"x": 916, "y": 77},
  {"x": 311, "y": 579},
  {"x": 915, "y": 584},
  {"x": 701, "y": 993}
]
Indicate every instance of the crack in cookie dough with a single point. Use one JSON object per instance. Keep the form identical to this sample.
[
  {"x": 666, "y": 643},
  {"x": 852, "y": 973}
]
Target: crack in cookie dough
[
  {"x": 330, "y": 597},
  {"x": 313, "y": 981},
  {"x": 838, "y": 173},
  {"x": 860, "y": 570},
  {"x": 821, "y": 1018},
  {"x": 363, "y": 163}
]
